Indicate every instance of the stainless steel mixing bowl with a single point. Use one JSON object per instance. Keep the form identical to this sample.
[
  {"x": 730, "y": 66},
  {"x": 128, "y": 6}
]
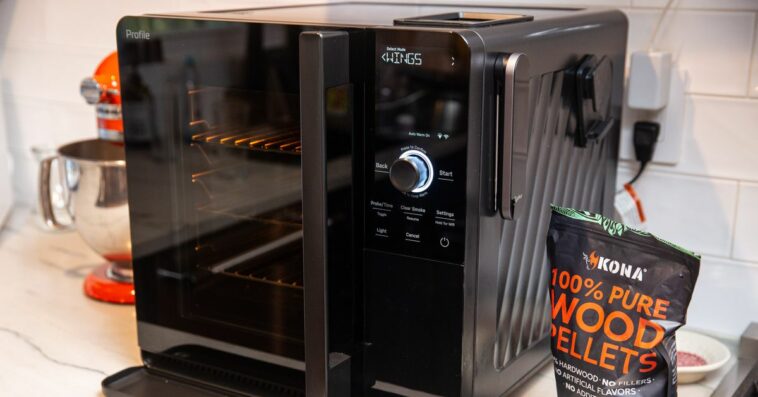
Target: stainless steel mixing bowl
[{"x": 93, "y": 176}]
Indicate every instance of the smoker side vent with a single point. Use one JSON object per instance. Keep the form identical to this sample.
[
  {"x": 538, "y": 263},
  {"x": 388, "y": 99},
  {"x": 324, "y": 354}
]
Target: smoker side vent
[{"x": 559, "y": 173}]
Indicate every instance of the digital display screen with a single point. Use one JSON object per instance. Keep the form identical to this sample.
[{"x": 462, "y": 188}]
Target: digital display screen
[
  {"x": 408, "y": 105},
  {"x": 399, "y": 55}
]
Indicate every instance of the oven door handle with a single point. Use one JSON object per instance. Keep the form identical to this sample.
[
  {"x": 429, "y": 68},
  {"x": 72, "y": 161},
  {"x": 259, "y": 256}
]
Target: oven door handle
[
  {"x": 323, "y": 64},
  {"x": 512, "y": 72}
]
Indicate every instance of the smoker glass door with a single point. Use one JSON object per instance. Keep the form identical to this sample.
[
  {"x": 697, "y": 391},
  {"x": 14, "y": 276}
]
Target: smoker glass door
[{"x": 214, "y": 164}]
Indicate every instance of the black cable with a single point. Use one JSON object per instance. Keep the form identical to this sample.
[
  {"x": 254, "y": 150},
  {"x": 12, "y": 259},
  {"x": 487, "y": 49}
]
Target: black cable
[
  {"x": 645, "y": 136},
  {"x": 639, "y": 173}
]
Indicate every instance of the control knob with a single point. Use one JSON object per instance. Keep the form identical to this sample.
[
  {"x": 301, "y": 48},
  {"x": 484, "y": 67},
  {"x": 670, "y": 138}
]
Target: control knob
[{"x": 412, "y": 172}]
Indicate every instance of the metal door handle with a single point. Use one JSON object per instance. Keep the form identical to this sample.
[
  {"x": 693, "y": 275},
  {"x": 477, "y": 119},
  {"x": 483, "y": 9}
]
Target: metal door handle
[
  {"x": 513, "y": 131},
  {"x": 323, "y": 64}
]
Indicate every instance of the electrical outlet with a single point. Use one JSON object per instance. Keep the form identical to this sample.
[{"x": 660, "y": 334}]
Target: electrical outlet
[
  {"x": 649, "y": 80},
  {"x": 668, "y": 149}
]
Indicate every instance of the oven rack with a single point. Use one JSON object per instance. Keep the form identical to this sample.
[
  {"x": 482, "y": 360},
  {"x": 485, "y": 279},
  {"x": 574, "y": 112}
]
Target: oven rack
[
  {"x": 290, "y": 280},
  {"x": 278, "y": 139},
  {"x": 286, "y": 216},
  {"x": 284, "y": 270}
]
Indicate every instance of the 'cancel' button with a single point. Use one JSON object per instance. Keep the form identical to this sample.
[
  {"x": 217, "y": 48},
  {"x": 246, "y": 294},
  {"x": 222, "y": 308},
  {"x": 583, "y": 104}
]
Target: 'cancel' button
[{"x": 413, "y": 237}]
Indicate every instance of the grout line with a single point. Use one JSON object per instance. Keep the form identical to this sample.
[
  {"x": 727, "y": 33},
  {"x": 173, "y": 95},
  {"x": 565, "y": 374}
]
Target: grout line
[
  {"x": 679, "y": 8},
  {"x": 666, "y": 169},
  {"x": 739, "y": 262},
  {"x": 734, "y": 222},
  {"x": 34, "y": 45},
  {"x": 751, "y": 62},
  {"x": 723, "y": 96},
  {"x": 21, "y": 98}
]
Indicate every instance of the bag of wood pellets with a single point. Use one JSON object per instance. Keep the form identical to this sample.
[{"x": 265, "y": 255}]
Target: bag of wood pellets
[{"x": 617, "y": 297}]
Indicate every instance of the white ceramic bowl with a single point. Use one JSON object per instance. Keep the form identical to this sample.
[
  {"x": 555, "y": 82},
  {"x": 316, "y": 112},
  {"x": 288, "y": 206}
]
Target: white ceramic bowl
[{"x": 715, "y": 353}]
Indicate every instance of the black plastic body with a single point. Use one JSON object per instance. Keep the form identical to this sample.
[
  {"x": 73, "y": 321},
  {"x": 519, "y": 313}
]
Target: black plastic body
[{"x": 452, "y": 300}]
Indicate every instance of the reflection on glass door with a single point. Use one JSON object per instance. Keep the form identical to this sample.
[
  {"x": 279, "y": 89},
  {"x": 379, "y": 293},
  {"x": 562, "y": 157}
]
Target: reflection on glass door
[
  {"x": 243, "y": 163},
  {"x": 214, "y": 164}
]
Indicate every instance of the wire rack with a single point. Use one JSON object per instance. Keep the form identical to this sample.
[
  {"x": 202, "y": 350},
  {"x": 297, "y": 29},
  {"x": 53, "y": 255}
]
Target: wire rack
[{"x": 281, "y": 139}]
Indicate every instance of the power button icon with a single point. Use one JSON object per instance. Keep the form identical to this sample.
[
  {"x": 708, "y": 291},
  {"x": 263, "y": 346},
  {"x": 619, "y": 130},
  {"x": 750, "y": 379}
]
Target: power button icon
[{"x": 444, "y": 242}]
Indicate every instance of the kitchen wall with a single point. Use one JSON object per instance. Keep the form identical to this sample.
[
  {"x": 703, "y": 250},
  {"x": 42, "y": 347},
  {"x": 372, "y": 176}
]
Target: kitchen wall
[{"x": 707, "y": 202}]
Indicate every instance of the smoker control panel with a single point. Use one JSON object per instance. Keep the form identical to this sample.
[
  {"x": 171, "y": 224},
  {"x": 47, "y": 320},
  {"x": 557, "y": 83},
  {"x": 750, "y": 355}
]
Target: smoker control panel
[{"x": 416, "y": 151}]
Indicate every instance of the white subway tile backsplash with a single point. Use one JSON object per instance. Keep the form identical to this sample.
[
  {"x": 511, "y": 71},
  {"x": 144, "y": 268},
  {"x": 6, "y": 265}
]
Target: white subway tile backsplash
[
  {"x": 712, "y": 47},
  {"x": 641, "y": 24},
  {"x": 725, "y": 300},
  {"x": 29, "y": 123},
  {"x": 695, "y": 212},
  {"x": 753, "y": 85},
  {"x": 7, "y": 195},
  {"x": 184, "y": 5},
  {"x": 20, "y": 21},
  {"x": 720, "y": 138},
  {"x": 746, "y": 227},
  {"x": 102, "y": 34},
  {"x": 87, "y": 23},
  {"x": 46, "y": 71},
  {"x": 528, "y": 3},
  {"x": 35, "y": 122},
  {"x": 702, "y": 4}
]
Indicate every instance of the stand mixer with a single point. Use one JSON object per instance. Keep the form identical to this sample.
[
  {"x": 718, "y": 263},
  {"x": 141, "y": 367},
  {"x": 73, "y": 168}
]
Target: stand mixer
[{"x": 93, "y": 177}]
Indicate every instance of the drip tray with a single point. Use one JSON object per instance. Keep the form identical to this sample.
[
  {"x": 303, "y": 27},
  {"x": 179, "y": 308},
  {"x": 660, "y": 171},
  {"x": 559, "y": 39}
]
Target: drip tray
[{"x": 138, "y": 382}]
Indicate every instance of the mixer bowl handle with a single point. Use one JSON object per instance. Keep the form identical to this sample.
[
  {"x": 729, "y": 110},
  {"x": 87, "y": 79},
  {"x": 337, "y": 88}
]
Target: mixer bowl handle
[{"x": 45, "y": 199}]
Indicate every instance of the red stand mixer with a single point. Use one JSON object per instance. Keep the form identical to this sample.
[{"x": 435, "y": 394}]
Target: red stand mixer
[{"x": 112, "y": 281}]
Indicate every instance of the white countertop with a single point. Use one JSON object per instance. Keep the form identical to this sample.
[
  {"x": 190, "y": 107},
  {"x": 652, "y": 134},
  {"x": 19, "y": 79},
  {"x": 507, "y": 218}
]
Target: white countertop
[
  {"x": 56, "y": 342},
  {"x": 543, "y": 384}
]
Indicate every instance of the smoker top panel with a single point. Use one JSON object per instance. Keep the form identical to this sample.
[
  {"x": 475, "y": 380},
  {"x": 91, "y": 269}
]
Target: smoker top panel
[{"x": 365, "y": 14}]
